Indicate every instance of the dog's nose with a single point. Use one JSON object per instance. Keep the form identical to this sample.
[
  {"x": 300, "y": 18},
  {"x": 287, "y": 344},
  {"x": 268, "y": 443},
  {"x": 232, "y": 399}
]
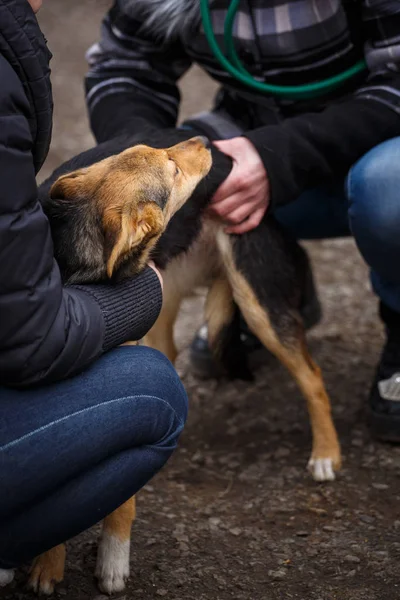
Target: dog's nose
[{"x": 205, "y": 141}]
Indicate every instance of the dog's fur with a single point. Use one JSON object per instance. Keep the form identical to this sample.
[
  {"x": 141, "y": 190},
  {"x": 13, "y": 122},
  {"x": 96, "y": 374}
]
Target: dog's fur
[{"x": 110, "y": 212}]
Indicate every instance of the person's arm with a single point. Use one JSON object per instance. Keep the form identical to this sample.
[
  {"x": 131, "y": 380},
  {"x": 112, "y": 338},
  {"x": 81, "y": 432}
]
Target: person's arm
[
  {"x": 131, "y": 84},
  {"x": 313, "y": 148},
  {"x": 47, "y": 331}
]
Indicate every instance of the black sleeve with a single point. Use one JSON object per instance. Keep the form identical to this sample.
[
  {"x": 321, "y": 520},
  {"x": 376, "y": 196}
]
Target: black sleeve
[
  {"x": 48, "y": 332},
  {"x": 132, "y": 81},
  {"x": 311, "y": 149},
  {"x": 315, "y": 148}
]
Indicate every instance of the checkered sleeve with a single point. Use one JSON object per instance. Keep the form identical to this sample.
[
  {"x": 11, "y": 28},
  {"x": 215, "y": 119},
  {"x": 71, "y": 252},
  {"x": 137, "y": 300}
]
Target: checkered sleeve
[
  {"x": 132, "y": 81},
  {"x": 314, "y": 148}
]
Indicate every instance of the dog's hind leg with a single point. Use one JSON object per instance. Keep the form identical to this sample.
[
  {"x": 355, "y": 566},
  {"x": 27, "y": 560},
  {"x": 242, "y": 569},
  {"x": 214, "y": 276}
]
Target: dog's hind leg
[
  {"x": 47, "y": 570},
  {"x": 112, "y": 567},
  {"x": 287, "y": 343}
]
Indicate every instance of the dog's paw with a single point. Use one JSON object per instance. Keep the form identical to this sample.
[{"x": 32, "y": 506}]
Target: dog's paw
[
  {"x": 47, "y": 570},
  {"x": 6, "y": 576},
  {"x": 112, "y": 567},
  {"x": 322, "y": 469}
]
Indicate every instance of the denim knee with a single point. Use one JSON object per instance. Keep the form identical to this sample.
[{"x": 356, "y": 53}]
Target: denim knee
[
  {"x": 373, "y": 190},
  {"x": 135, "y": 371},
  {"x": 157, "y": 377}
]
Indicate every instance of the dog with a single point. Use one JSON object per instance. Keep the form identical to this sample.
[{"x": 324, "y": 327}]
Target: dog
[{"x": 116, "y": 206}]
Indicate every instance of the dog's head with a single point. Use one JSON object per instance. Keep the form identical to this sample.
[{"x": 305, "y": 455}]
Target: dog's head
[{"x": 108, "y": 216}]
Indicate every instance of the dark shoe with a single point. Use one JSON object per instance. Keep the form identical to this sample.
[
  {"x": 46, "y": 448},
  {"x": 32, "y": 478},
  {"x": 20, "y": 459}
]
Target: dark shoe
[
  {"x": 201, "y": 358},
  {"x": 203, "y": 363},
  {"x": 384, "y": 399}
]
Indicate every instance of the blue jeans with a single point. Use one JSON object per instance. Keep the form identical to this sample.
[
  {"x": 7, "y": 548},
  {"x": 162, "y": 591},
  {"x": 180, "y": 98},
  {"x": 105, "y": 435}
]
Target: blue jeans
[
  {"x": 366, "y": 206},
  {"x": 72, "y": 452}
]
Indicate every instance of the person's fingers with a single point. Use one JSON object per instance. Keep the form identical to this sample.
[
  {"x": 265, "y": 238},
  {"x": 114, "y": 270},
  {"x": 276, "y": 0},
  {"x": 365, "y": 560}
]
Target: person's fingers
[
  {"x": 251, "y": 223},
  {"x": 244, "y": 211},
  {"x": 224, "y": 208},
  {"x": 232, "y": 184},
  {"x": 226, "y": 146}
]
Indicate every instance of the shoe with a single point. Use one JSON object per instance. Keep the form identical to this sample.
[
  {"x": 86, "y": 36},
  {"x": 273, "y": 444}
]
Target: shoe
[
  {"x": 202, "y": 361},
  {"x": 384, "y": 398}
]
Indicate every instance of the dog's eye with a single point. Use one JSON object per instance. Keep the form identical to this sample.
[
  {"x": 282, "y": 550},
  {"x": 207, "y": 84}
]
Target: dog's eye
[{"x": 177, "y": 169}]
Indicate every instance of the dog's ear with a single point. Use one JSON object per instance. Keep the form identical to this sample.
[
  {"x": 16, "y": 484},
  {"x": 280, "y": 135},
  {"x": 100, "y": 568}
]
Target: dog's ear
[
  {"x": 124, "y": 233},
  {"x": 69, "y": 185}
]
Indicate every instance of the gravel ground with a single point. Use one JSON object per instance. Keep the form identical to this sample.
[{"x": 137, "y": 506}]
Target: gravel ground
[{"x": 235, "y": 515}]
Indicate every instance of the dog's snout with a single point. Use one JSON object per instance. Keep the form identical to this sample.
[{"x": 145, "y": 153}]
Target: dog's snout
[
  {"x": 205, "y": 141},
  {"x": 202, "y": 139}
]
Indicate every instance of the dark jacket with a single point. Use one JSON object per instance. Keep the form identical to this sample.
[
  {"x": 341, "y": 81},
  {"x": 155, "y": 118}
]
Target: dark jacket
[
  {"x": 147, "y": 45},
  {"x": 47, "y": 331}
]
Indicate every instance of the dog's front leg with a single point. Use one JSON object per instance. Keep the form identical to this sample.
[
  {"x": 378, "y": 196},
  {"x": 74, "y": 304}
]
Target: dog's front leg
[
  {"x": 47, "y": 570},
  {"x": 161, "y": 335},
  {"x": 112, "y": 567}
]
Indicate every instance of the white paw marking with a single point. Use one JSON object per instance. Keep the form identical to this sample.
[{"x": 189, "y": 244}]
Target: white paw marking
[
  {"x": 112, "y": 567},
  {"x": 321, "y": 469},
  {"x": 40, "y": 586},
  {"x": 6, "y": 576}
]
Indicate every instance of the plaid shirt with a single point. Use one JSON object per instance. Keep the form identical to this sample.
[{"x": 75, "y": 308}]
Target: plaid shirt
[
  {"x": 288, "y": 43},
  {"x": 135, "y": 67}
]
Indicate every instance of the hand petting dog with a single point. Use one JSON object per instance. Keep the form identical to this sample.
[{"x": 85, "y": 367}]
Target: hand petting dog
[{"x": 243, "y": 198}]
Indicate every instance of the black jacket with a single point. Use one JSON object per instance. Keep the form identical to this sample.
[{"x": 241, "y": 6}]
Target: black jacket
[
  {"x": 147, "y": 45},
  {"x": 47, "y": 331}
]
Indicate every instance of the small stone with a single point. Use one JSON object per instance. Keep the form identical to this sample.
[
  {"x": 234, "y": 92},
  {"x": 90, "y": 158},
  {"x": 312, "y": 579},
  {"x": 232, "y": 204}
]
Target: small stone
[
  {"x": 338, "y": 514},
  {"x": 282, "y": 453},
  {"x": 235, "y": 531},
  {"x": 162, "y": 592},
  {"x": 351, "y": 573},
  {"x": 381, "y": 554},
  {"x": 366, "y": 519},
  {"x": 183, "y": 547},
  {"x": 351, "y": 558},
  {"x": 179, "y": 533},
  {"x": 302, "y": 533},
  {"x": 198, "y": 457},
  {"x": 357, "y": 443},
  {"x": 233, "y": 430},
  {"x": 380, "y": 486},
  {"x": 214, "y": 521},
  {"x": 278, "y": 575},
  {"x": 151, "y": 542}
]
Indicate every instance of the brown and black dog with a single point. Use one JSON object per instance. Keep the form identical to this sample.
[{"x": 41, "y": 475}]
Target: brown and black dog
[{"x": 121, "y": 203}]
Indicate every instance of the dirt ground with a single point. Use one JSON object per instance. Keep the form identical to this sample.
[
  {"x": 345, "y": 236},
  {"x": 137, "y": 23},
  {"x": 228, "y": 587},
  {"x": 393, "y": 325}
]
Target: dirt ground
[{"x": 234, "y": 514}]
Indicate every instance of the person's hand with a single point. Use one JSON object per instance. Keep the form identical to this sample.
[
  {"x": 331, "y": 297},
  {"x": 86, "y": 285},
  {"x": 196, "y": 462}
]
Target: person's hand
[
  {"x": 242, "y": 199},
  {"x": 157, "y": 272}
]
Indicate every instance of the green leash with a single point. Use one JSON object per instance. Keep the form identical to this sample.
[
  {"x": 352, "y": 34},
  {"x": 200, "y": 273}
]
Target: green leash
[{"x": 234, "y": 67}]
